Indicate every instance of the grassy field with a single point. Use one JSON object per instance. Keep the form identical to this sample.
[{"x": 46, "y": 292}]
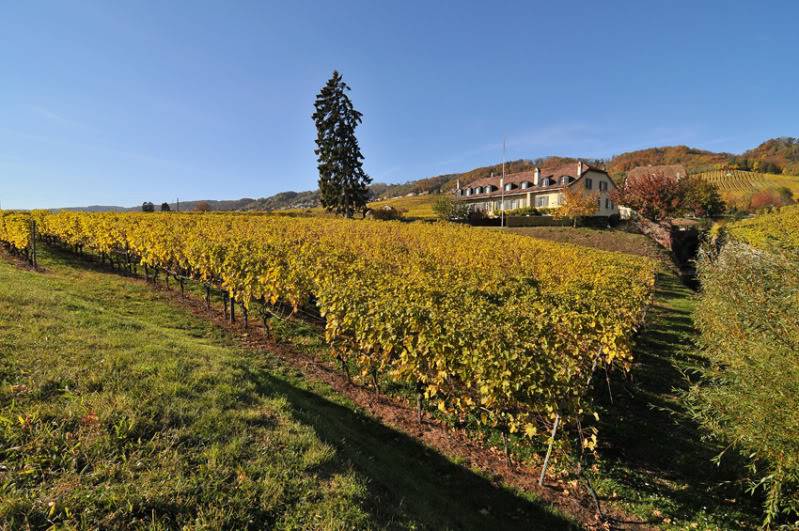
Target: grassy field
[
  {"x": 417, "y": 206},
  {"x": 119, "y": 408}
]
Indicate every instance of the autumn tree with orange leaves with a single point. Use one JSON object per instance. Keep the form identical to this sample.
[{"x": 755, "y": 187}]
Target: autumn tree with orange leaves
[{"x": 577, "y": 203}]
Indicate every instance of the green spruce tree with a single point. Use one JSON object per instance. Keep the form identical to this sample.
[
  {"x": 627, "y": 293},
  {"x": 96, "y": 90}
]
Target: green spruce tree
[{"x": 343, "y": 184}]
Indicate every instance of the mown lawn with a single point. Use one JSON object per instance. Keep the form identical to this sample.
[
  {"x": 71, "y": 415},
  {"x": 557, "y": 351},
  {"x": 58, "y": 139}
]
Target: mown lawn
[{"x": 118, "y": 408}]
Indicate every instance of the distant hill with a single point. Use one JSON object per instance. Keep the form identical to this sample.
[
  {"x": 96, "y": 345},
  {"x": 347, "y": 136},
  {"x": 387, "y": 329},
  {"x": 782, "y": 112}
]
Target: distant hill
[
  {"x": 691, "y": 158},
  {"x": 775, "y": 156},
  {"x": 281, "y": 201},
  {"x": 285, "y": 200},
  {"x": 783, "y": 153},
  {"x": 94, "y": 208}
]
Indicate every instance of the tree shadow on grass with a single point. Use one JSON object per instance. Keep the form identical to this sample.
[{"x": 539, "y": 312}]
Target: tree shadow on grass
[
  {"x": 409, "y": 483},
  {"x": 651, "y": 445}
]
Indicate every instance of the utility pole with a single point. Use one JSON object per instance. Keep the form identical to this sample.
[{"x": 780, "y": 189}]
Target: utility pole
[{"x": 177, "y": 205}]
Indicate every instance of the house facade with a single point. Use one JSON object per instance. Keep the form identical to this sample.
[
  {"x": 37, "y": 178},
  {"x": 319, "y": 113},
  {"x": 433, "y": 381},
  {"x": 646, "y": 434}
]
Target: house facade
[{"x": 541, "y": 188}]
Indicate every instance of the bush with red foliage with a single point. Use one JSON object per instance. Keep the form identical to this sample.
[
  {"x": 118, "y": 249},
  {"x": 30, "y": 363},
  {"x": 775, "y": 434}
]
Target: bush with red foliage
[
  {"x": 660, "y": 195},
  {"x": 765, "y": 199}
]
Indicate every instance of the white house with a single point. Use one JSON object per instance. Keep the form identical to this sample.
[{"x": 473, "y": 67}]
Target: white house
[{"x": 541, "y": 188}]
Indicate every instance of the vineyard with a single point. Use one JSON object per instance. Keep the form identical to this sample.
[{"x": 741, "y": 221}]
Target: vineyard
[
  {"x": 747, "y": 314},
  {"x": 500, "y": 330},
  {"x": 15, "y": 230},
  {"x": 775, "y": 231},
  {"x": 741, "y": 182}
]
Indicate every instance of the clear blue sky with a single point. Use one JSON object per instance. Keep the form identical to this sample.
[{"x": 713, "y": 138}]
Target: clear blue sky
[{"x": 121, "y": 102}]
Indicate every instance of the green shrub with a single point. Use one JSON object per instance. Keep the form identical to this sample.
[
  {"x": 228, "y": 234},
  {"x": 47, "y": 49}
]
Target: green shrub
[
  {"x": 386, "y": 213},
  {"x": 523, "y": 211},
  {"x": 748, "y": 395},
  {"x": 446, "y": 207}
]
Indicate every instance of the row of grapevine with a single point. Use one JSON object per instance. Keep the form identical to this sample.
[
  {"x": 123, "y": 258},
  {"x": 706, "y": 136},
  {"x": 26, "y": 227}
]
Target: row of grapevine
[
  {"x": 499, "y": 329},
  {"x": 736, "y": 180},
  {"x": 748, "y": 316},
  {"x": 16, "y": 232},
  {"x": 778, "y": 230}
]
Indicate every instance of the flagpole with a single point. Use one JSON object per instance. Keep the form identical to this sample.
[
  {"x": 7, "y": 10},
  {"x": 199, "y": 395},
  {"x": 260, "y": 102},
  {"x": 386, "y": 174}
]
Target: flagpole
[{"x": 502, "y": 188}]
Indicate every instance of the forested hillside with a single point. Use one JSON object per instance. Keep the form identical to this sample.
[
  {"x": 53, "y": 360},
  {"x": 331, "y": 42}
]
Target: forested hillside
[
  {"x": 777, "y": 155},
  {"x": 781, "y": 152},
  {"x": 689, "y": 157}
]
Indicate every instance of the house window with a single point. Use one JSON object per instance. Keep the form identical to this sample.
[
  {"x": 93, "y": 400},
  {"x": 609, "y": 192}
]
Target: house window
[
  {"x": 542, "y": 201},
  {"x": 508, "y": 186},
  {"x": 608, "y": 204},
  {"x": 589, "y": 184},
  {"x": 603, "y": 186},
  {"x": 525, "y": 184}
]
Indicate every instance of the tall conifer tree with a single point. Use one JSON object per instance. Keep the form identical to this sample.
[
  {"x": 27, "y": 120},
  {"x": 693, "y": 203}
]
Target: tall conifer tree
[{"x": 343, "y": 184}]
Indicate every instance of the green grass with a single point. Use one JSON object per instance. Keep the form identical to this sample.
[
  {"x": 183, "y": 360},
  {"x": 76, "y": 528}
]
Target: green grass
[{"x": 118, "y": 408}]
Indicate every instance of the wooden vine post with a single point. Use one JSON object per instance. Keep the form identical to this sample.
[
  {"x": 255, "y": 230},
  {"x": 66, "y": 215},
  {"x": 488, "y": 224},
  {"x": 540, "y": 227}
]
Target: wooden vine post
[
  {"x": 33, "y": 244},
  {"x": 549, "y": 449}
]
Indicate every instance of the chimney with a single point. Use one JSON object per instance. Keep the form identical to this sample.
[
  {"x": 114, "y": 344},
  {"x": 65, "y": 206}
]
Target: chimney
[
  {"x": 536, "y": 176},
  {"x": 579, "y": 168}
]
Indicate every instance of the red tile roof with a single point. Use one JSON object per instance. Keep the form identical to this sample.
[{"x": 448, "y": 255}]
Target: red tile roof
[{"x": 551, "y": 172}]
